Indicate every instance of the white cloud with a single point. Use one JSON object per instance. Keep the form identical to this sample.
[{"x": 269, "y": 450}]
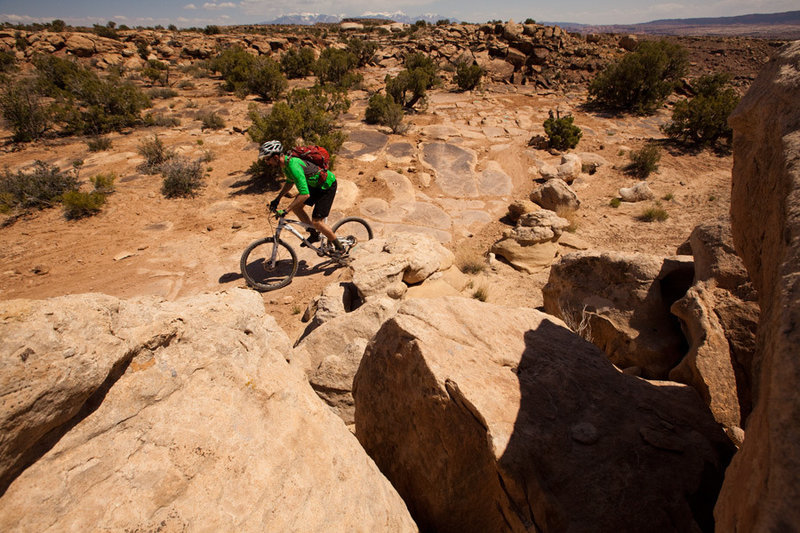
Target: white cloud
[
  {"x": 190, "y": 6},
  {"x": 213, "y": 6}
]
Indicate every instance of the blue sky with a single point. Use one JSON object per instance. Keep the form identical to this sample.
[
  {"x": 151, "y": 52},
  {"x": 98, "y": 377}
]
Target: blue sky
[{"x": 184, "y": 13}]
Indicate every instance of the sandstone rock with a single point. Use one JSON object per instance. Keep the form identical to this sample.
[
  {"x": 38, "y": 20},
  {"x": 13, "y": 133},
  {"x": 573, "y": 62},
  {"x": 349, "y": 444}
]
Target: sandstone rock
[
  {"x": 402, "y": 258},
  {"x": 555, "y": 194},
  {"x": 591, "y": 163},
  {"x": 497, "y": 424},
  {"x": 628, "y": 42},
  {"x": 520, "y": 207},
  {"x": 761, "y": 490},
  {"x": 621, "y": 303},
  {"x": 174, "y": 416},
  {"x": 638, "y": 193},
  {"x": 80, "y": 45},
  {"x": 570, "y": 167},
  {"x": 530, "y": 258}
]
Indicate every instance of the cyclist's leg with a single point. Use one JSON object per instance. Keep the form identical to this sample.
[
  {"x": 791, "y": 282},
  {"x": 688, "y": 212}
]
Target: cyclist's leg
[{"x": 323, "y": 201}]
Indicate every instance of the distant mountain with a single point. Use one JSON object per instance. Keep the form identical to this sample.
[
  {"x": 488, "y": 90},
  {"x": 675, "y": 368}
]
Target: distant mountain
[
  {"x": 307, "y": 19},
  {"x": 770, "y": 25}
]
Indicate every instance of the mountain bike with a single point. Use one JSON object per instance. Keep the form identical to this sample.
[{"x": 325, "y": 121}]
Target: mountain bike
[{"x": 271, "y": 263}]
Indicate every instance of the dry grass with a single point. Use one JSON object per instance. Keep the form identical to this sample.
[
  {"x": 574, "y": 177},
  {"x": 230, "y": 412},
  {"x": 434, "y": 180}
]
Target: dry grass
[{"x": 570, "y": 215}]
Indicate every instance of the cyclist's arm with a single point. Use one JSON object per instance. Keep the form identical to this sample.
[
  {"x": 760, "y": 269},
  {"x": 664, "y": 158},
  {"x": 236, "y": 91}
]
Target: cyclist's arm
[
  {"x": 286, "y": 186},
  {"x": 298, "y": 201}
]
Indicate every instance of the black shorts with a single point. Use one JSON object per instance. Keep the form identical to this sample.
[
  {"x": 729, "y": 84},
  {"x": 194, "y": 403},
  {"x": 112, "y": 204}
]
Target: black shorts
[{"x": 321, "y": 200}]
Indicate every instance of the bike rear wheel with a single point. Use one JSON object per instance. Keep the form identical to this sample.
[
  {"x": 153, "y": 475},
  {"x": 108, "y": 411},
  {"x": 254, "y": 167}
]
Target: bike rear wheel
[
  {"x": 258, "y": 269},
  {"x": 354, "y": 227}
]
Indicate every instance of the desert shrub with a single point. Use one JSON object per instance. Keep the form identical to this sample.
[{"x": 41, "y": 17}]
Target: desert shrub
[
  {"x": 529, "y": 21},
  {"x": 211, "y": 120},
  {"x": 384, "y": 111},
  {"x": 162, "y": 92},
  {"x": 161, "y": 120},
  {"x": 443, "y": 22},
  {"x": 79, "y": 204},
  {"x": 212, "y": 30},
  {"x": 561, "y": 133},
  {"x": 234, "y": 66},
  {"x": 156, "y": 71},
  {"x": 155, "y": 155},
  {"x": 7, "y": 61},
  {"x": 642, "y": 79},
  {"x": 570, "y": 215},
  {"x": 362, "y": 49},
  {"x": 186, "y": 84},
  {"x": 410, "y": 86},
  {"x": 335, "y": 66},
  {"x": 266, "y": 79},
  {"x": 615, "y": 202},
  {"x": 644, "y": 161},
  {"x": 58, "y": 25},
  {"x": 42, "y": 187},
  {"x": 182, "y": 177},
  {"x": 468, "y": 75},
  {"x": 107, "y": 31},
  {"x": 25, "y": 112},
  {"x": 104, "y": 183},
  {"x": 703, "y": 119},
  {"x": 654, "y": 214},
  {"x": 481, "y": 293},
  {"x": 298, "y": 63},
  {"x": 469, "y": 264},
  {"x": 307, "y": 114},
  {"x": 98, "y": 144}
]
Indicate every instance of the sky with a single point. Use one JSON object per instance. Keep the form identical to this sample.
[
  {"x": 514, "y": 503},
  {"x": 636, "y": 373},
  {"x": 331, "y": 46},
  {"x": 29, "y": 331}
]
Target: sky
[{"x": 200, "y": 13}]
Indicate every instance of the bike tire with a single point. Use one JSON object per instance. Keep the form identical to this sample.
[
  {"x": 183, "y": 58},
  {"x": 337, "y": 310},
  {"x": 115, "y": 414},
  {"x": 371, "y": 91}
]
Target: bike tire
[
  {"x": 254, "y": 265},
  {"x": 357, "y": 227}
]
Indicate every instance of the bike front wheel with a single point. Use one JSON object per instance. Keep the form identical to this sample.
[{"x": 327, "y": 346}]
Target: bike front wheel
[
  {"x": 353, "y": 229},
  {"x": 264, "y": 271}
]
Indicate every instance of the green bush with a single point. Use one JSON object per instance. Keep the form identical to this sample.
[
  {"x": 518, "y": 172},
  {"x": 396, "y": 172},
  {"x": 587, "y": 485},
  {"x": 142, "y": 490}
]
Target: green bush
[
  {"x": 335, "y": 66},
  {"x": 235, "y": 66},
  {"x": 155, "y": 155},
  {"x": 654, "y": 214},
  {"x": 211, "y": 121},
  {"x": 468, "y": 75},
  {"x": 8, "y": 62},
  {"x": 642, "y": 79},
  {"x": 156, "y": 71},
  {"x": 561, "y": 133},
  {"x": 182, "y": 177},
  {"x": 58, "y": 25},
  {"x": 363, "y": 50},
  {"x": 98, "y": 144},
  {"x": 307, "y": 114},
  {"x": 78, "y": 204},
  {"x": 104, "y": 183},
  {"x": 162, "y": 92},
  {"x": 644, "y": 161},
  {"x": 703, "y": 120},
  {"x": 298, "y": 63},
  {"x": 384, "y": 111},
  {"x": 161, "y": 120},
  {"x": 529, "y": 21},
  {"x": 615, "y": 202},
  {"x": 212, "y": 30},
  {"x": 25, "y": 112},
  {"x": 266, "y": 79},
  {"x": 42, "y": 187},
  {"x": 107, "y": 31},
  {"x": 410, "y": 86}
]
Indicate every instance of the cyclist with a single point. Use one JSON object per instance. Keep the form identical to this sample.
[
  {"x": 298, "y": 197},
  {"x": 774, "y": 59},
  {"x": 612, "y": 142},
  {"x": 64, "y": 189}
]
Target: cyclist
[{"x": 315, "y": 187}]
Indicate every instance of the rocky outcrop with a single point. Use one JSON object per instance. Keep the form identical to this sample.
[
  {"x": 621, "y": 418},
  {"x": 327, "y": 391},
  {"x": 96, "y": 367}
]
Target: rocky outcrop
[
  {"x": 555, "y": 194},
  {"x": 761, "y": 490},
  {"x": 719, "y": 315},
  {"x": 620, "y": 302},
  {"x": 493, "y": 423},
  {"x": 637, "y": 193},
  {"x": 532, "y": 244},
  {"x": 147, "y": 415}
]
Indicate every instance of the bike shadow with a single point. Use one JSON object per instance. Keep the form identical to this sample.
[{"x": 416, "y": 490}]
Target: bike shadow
[{"x": 325, "y": 266}]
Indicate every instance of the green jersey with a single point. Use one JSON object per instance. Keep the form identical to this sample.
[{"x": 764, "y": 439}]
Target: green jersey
[{"x": 306, "y": 175}]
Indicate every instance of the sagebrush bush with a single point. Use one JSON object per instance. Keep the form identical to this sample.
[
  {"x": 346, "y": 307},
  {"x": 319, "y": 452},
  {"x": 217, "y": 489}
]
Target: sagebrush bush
[
  {"x": 654, "y": 214},
  {"x": 182, "y": 177},
  {"x": 41, "y": 187},
  {"x": 644, "y": 161},
  {"x": 235, "y": 66},
  {"x": 410, "y": 86},
  {"x": 79, "y": 204},
  {"x": 104, "y": 183},
  {"x": 162, "y": 92},
  {"x": 8, "y": 62},
  {"x": 98, "y": 144},
  {"x": 703, "y": 119},
  {"x": 155, "y": 155},
  {"x": 161, "y": 120},
  {"x": 298, "y": 63},
  {"x": 211, "y": 120},
  {"x": 561, "y": 133},
  {"x": 156, "y": 71},
  {"x": 27, "y": 115},
  {"x": 335, "y": 66},
  {"x": 384, "y": 111},
  {"x": 642, "y": 79},
  {"x": 468, "y": 75}
]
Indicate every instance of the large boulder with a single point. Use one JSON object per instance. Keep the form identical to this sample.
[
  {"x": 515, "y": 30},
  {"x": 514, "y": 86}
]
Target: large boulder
[
  {"x": 620, "y": 302},
  {"x": 489, "y": 418},
  {"x": 761, "y": 489},
  {"x": 147, "y": 415},
  {"x": 555, "y": 194},
  {"x": 531, "y": 246}
]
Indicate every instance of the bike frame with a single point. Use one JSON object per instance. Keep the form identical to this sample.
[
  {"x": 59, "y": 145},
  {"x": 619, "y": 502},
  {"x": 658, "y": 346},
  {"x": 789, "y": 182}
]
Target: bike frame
[{"x": 283, "y": 222}]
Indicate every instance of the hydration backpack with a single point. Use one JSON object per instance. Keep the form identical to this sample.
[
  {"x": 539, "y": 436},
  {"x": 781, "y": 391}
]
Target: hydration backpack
[{"x": 316, "y": 155}]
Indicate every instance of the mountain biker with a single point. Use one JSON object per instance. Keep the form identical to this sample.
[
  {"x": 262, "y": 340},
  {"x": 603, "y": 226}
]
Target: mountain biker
[{"x": 315, "y": 186}]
